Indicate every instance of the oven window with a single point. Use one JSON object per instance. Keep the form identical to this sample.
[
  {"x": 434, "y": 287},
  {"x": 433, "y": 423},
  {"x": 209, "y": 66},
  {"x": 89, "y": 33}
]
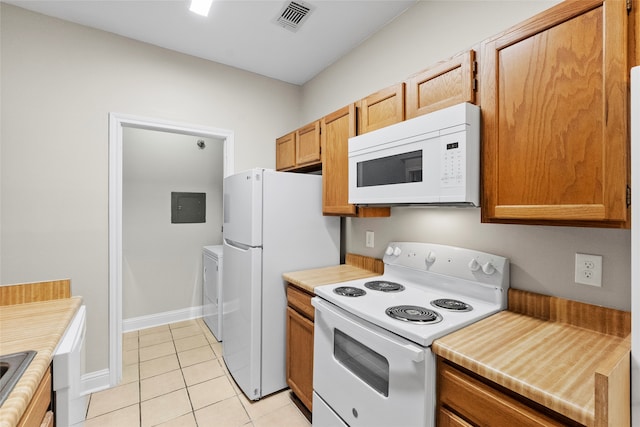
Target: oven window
[
  {"x": 366, "y": 364},
  {"x": 398, "y": 169}
]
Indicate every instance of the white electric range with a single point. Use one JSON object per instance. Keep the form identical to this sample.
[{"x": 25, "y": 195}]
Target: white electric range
[{"x": 373, "y": 364}]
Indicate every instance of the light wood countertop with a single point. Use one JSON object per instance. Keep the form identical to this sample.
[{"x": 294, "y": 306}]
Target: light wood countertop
[
  {"x": 32, "y": 326},
  {"x": 572, "y": 370},
  {"x": 309, "y": 279},
  {"x": 355, "y": 267}
]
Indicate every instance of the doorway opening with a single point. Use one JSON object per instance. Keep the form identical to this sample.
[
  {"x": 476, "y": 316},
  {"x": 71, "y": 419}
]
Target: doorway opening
[{"x": 116, "y": 124}]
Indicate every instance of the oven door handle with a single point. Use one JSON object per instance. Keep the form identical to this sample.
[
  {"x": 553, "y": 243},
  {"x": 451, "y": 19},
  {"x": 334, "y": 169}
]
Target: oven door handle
[{"x": 353, "y": 324}]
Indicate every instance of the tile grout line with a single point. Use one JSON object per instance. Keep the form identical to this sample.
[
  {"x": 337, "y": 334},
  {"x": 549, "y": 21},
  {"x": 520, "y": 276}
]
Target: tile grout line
[
  {"x": 186, "y": 387},
  {"x": 139, "y": 384},
  {"x": 210, "y": 344}
]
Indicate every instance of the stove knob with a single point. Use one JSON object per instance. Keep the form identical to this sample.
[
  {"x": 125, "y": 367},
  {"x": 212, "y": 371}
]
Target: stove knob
[
  {"x": 397, "y": 251},
  {"x": 431, "y": 257},
  {"x": 389, "y": 251},
  {"x": 488, "y": 268},
  {"x": 474, "y": 265}
]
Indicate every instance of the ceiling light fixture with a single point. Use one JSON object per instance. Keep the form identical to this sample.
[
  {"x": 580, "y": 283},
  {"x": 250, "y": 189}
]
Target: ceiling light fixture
[{"x": 201, "y": 7}]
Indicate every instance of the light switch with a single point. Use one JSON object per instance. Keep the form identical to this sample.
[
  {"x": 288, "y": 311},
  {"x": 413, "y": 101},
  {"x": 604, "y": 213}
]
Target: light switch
[{"x": 369, "y": 239}]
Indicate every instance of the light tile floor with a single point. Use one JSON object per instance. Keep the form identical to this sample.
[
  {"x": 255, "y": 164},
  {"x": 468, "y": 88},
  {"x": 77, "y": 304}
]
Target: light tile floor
[{"x": 174, "y": 375}]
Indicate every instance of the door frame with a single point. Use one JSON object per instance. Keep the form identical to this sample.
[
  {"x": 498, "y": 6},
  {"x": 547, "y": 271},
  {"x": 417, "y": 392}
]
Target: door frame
[{"x": 117, "y": 122}]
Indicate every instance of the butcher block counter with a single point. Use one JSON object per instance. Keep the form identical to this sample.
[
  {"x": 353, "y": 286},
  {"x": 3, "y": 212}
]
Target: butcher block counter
[
  {"x": 568, "y": 357},
  {"x": 38, "y": 325},
  {"x": 355, "y": 267}
]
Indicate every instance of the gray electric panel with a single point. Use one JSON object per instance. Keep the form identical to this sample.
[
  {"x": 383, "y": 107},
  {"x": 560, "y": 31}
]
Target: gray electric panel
[{"x": 188, "y": 207}]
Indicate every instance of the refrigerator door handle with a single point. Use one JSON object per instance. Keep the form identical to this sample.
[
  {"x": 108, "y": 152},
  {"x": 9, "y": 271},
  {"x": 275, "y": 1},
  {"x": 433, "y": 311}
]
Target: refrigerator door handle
[{"x": 238, "y": 245}]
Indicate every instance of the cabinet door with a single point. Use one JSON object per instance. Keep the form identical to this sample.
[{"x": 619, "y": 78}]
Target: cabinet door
[
  {"x": 36, "y": 411},
  {"x": 300, "y": 356},
  {"x": 286, "y": 151},
  {"x": 308, "y": 144},
  {"x": 554, "y": 105},
  {"x": 445, "y": 84},
  {"x": 381, "y": 109},
  {"x": 336, "y": 130}
]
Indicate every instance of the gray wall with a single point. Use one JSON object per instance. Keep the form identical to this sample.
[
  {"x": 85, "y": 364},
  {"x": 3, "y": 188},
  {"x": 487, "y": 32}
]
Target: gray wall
[
  {"x": 59, "y": 83},
  {"x": 542, "y": 258},
  {"x": 162, "y": 261}
]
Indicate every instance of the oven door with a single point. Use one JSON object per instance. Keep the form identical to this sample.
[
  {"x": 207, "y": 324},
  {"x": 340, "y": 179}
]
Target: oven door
[{"x": 369, "y": 376}]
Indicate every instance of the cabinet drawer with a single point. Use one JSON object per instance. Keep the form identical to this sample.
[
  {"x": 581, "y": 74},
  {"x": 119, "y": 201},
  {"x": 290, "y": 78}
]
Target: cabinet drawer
[
  {"x": 449, "y": 419},
  {"x": 301, "y": 301},
  {"x": 484, "y": 405}
]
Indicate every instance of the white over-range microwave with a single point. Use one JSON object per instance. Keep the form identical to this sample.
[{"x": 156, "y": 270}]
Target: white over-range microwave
[{"x": 430, "y": 159}]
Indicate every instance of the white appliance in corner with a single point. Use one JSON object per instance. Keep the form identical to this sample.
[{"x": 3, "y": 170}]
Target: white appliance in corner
[
  {"x": 212, "y": 289},
  {"x": 68, "y": 365},
  {"x": 430, "y": 159},
  {"x": 635, "y": 245},
  {"x": 273, "y": 224}
]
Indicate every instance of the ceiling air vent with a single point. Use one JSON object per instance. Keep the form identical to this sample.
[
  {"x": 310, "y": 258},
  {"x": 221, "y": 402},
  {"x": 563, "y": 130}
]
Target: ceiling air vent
[{"x": 293, "y": 15}]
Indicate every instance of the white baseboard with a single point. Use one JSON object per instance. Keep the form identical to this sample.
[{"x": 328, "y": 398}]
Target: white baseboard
[
  {"x": 158, "y": 319},
  {"x": 95, "y": 381}
]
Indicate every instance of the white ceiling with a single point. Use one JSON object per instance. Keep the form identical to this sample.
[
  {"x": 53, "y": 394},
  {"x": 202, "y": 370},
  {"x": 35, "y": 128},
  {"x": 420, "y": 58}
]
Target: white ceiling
[{"x": 239, "y": 33}]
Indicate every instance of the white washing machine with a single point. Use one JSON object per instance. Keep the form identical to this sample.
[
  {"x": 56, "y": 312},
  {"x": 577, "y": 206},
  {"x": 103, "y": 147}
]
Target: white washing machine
[{"x": 212, "y": 288}]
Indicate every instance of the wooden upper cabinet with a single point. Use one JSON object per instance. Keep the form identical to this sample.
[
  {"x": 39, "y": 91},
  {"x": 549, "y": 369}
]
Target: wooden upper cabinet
[
  {"x": 553, "y": 93},
  {"x": 380, "y": 109},
  {"x": 337, "y": 127},
  {"x": 308, "y": 144},
  {"x": 444, "y": 84},
  {"x": 299, "y": 150},
  {"x": 336, "y": 130},
  {"x": 286, "y": 152}
]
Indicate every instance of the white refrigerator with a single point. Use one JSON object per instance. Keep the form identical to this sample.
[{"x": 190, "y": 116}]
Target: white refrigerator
[{"x": 273, "y": 224}]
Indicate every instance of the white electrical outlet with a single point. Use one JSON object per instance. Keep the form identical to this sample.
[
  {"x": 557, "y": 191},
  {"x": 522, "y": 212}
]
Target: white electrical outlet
[
  {"x": 369, "y": 239},
  {"x": 589, "y": 269}
]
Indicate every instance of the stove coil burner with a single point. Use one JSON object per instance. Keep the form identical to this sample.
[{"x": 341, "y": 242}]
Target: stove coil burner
[
  {"x": 413, "y": 314},
  {"x": 384, "y": 286},
  {"x": 349, "y": 291},
  {"x": 451, "y": 304}
]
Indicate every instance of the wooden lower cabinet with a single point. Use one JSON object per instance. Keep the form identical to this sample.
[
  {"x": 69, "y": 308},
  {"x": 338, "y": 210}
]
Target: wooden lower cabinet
[
  {"x": 48, "y": 420},
  {"x": 300, "y": 344},
  {"x": 38, "y": 412},
  {"x": 449, "y": 419},
  {"x": 467, "y": 400}
]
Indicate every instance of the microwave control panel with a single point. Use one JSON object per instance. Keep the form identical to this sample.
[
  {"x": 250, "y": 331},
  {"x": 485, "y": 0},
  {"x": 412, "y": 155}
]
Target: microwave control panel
[{"x": 453, "y": 160}]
